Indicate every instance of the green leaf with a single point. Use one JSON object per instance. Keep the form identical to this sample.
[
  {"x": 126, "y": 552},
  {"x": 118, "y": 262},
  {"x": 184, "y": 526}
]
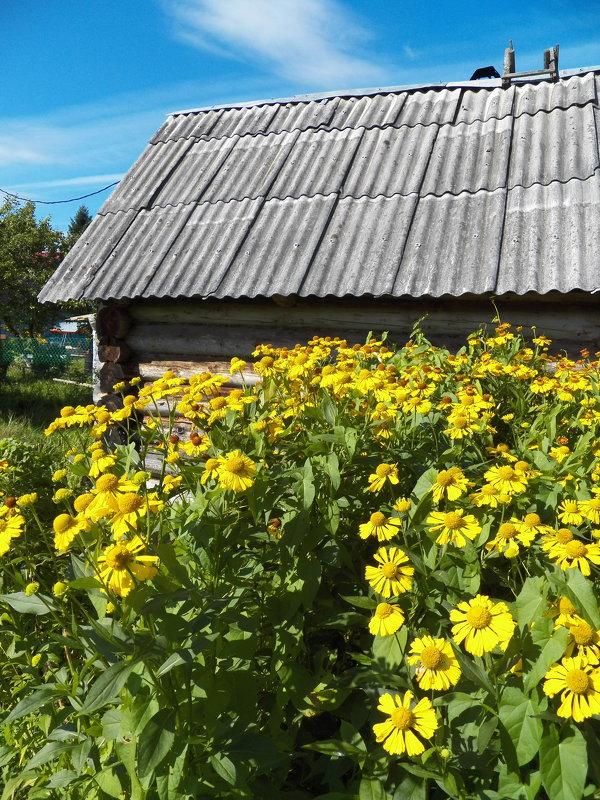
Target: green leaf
[
  {"x": 85, "y": 583},
  {"x": 518, "y": 715},
  {"x": 563, "y": 764},
  {"x": 49, "y": 751},
  {"x": 37, "y": 699},
  {"x": 108, "y": 780},
  {"x": 62, "y": 778},
  {"x": 335, "y": 747},
  {"x": 473, "y": 669},
  {"x": 333, "y": 469},
  {"x": 360, "y": 602},
  {"x": 486, "y": 731},
  {"x": 156, "y": 740},
  {"x": 580, "y": 591},
  {"x": 390, "y": 649},
  {"x": 224, "y": 767},
  {"x": 552, "y": 649},
  {"x": 308, "y": 487},
  {"x": 371, "y": 789},
  {"x": 36, "y": 604},
  {"x": 531, "y": 601},
  {"x": 107, "y": 687}
]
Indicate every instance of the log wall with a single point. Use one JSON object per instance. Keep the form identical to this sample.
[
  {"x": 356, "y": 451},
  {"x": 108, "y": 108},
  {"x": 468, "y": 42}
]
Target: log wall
[{"x": 147, "y": 337}]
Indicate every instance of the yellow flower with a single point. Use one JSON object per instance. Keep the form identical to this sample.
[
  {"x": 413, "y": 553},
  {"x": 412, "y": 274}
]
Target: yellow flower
[
  {"x": 237, "y": 365},
  {"x": 454, "y": 527},
  {"x": 66, "y": 529},
  {"x": 32, "y": 588},
  {"x": 506, "y": 479},
  {"x": 236, "y": 471},
  {"x": 10, "y": 528},
  {"x": 579, "y": 685},
  {"x": 461, "y": 427},
  {"x": 402, "y": 504},
  {"x": 383, "y": 473},
  {"x": 564, "y": 613},
  {"x": 211, "y": 470},
  {"x": 62, "y": 494},
  {"x": 591, "y": 509},
  {"x": 507, "y": 539},
  {"x": 398, "y": 732},
  {"x": 108, "y": 487},
  {"x": 482, "y": 624},
  {"x": 122, "y": 562},
  {"x": 391, "y": 577},
  {"x": 27, "y": 499},
  {"x": 576, "y": 554},
  {"x": 570, "y": 513},
  {"x": 386, "y": 620},
  {"x": 437, "y": 667},
  {"x": 585, "y": 640},
  {"x": 101, "y": 462},
  {"x": 450, "y": 483},
  {"x": 130, "y": 507},
  {"x": 59, "y": 589},
  {"x": 380, "y": 526},
  {"x": 59, "y": 475},
  {"x": 490, "y": 496}
]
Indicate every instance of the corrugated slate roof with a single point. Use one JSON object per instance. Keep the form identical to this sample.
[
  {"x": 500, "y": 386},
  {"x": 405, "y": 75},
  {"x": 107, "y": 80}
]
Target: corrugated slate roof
[{"x": 449, "y": 189}]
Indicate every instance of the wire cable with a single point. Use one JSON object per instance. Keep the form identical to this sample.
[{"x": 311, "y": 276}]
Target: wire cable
[{"x": 57, "y": 202}]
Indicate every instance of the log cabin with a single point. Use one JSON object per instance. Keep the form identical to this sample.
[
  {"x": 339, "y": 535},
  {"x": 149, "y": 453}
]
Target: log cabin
[{"x": 344, "y": 213}]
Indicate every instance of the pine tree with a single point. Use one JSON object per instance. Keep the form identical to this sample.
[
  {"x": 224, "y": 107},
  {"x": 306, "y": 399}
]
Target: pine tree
[{"x": 77, "y": 226}]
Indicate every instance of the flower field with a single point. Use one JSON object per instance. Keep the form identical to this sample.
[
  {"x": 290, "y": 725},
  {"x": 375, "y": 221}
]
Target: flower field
[{"x": 373, "y": 575}]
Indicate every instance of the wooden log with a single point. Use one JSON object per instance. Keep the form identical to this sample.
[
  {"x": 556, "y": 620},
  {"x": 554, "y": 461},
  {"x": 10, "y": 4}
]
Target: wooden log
[
  {"x": 112, "y": 322},
  {"x": 152, "y": 370},
  {"x": 117, "y": 353},
  {"x": 110, "y": 373}
]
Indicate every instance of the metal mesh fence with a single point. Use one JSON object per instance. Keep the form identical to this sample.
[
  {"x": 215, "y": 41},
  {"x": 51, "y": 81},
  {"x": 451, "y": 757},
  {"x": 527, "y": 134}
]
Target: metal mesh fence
[{"x": 61, "y": 356}]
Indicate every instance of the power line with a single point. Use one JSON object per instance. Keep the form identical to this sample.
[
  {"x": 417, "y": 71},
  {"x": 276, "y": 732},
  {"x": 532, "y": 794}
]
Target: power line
[{"x": 56, "y": 202}]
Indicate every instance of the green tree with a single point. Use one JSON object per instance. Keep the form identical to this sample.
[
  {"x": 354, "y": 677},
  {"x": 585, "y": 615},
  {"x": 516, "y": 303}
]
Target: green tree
[
  {"x": 30, "y": 251},
  {"x": 77, "y": 225}
]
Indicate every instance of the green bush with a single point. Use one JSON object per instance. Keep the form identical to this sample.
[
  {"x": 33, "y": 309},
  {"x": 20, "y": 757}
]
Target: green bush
[{"x": 373, "y": 575}]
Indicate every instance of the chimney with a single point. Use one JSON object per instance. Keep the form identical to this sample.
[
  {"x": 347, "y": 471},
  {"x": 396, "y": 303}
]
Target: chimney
[{"x": 550, "y": 66}]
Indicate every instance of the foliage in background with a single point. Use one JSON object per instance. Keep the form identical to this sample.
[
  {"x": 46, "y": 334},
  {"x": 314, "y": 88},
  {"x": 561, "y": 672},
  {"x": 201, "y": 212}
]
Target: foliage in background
[
  {"x": 30, "y": 251},
  {"x": 372, "y": 576}
]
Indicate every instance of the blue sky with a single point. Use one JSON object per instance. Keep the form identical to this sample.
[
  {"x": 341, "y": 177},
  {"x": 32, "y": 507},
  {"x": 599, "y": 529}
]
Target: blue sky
[{"x": 85, "y": 84}]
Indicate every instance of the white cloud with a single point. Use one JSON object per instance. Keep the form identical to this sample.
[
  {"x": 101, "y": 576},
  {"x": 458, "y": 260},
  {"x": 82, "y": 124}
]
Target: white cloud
[{"x": 313, "y": 41}]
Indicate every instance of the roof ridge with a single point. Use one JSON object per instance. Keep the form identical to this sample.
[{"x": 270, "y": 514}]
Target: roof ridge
[{"x": 486, "y": 83}]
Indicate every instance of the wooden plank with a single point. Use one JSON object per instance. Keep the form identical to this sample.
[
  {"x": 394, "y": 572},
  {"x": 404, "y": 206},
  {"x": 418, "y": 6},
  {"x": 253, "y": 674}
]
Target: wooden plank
[{"x": 152, "y": 370}]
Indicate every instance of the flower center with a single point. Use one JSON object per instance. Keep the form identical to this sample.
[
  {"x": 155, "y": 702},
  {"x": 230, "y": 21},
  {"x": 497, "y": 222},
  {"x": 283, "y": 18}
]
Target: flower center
[
  {"x": 267, "y": 361},
  {"x": 378, "y": 519},
  {"x": 389, "y": 569},
  {"x": 563, "y": 536},
  {"x": 461, "y": 423},
  {"x": 402, "y": 718},
  {"x": 453, "y": 520},
  {"x": 107, "y": 483},
  {"x": 431, "y": 657},
  {"x": 488, "y": 490},
  {"x": 583, "y": 633},
  {"x": 577, "y": 681},
  {"x": 507, "y": 531},
  {"x": 533, "y": 520},
  {"x": 118, "y": 557},
  {"x": 467, "y": 401},
  {"x": 506, "y": 473},
  {"x": 575, "y": 549},
  {"x": 521, "y": 466},
  {"x": 594, "y": 504},
  {"x": 211, "y": 464},
  {"x": 130, "y": 503},
  {"x": 235, "y": 465},
  {"x": 478, "y": 617},
  {"x": 383, "y": 470},
  {"x": 384, "y": 610},
  {"x": 217, "y": 403},
  {"x": 445, "y": 478}
]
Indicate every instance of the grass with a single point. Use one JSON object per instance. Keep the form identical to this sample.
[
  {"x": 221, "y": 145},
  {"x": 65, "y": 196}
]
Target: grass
[{"x": 29, "y": 403}]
